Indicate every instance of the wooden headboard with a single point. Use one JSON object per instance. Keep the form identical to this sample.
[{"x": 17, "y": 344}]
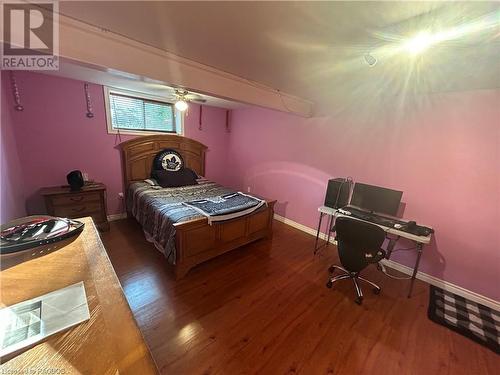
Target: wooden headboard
[{"x": 138, "y": 154}]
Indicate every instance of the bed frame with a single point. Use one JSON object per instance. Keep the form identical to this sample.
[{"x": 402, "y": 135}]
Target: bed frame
[{"x": 196, "y": 241}]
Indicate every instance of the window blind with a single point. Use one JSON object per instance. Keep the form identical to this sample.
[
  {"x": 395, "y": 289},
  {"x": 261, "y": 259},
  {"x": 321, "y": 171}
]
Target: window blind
[{"x": 139, "y": 114}]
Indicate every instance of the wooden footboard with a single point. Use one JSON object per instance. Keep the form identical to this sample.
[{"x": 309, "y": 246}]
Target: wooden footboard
[{"x": 196, "y": 241}]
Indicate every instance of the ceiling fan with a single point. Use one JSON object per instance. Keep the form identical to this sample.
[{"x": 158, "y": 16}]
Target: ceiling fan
[{"x": 183, "y": 97}]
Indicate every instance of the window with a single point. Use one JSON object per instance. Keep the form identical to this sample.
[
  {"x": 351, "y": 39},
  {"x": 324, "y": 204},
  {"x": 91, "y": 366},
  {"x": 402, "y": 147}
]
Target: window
[{"x": 136, "y": 113}]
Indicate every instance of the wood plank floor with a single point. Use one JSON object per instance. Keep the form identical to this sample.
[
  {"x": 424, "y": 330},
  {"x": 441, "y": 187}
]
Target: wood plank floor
[{"x": 264, "y": 309}]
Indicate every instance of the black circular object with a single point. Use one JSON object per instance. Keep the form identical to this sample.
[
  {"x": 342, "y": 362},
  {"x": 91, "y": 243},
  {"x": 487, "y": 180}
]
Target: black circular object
[{"x": 32, "y": 231}]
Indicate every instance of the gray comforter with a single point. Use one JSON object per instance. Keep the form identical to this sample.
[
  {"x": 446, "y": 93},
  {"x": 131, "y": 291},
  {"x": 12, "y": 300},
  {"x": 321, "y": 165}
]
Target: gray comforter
[{"x": 157, "y": 209}]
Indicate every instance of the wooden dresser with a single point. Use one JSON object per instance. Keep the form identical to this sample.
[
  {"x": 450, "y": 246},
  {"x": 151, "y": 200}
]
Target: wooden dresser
[
  {"x": 89, "y": 201},
  {"x": 108, "y": 343}
]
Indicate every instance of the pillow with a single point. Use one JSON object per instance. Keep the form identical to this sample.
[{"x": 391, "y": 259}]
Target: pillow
[
  {"x": 151, "y": 182},
  {"x": 182, "y": 177}
]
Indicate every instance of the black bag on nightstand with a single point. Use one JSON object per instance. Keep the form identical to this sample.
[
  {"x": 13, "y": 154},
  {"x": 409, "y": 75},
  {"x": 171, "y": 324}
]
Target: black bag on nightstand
[{"x": 75, "y": 180}]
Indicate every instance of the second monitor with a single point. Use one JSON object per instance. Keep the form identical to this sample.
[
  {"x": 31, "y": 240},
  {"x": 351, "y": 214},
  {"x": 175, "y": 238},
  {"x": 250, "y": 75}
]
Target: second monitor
[{"x": 376, "y": 198}]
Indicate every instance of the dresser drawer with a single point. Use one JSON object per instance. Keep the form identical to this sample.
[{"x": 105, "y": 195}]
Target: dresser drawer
[
  {"x": 89, "y": 201},
  {"x": 78, "y": 210},
  {"x": 74, "y": 199}
]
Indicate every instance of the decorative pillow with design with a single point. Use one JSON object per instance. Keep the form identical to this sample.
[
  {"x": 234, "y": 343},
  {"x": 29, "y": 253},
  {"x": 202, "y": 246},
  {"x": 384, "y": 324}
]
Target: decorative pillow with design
[{"x": 169, "y": 170}]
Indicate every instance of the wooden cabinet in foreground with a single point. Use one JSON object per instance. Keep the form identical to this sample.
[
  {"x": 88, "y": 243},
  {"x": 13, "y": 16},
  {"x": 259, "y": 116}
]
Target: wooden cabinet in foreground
[{"x": 108, "y": 343}]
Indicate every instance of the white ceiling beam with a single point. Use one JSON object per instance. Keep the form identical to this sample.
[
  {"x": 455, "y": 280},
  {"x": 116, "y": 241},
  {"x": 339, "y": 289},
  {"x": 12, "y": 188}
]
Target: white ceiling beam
[{"x": 94, "y": 46}]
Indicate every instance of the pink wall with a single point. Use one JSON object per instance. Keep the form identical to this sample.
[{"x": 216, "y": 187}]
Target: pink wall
[
  {"x": 54, "y": 137},
  {"x": 444, "y": 156},
  {"x": 212, "y": 134},
  {"x": 11, "y": 185}
]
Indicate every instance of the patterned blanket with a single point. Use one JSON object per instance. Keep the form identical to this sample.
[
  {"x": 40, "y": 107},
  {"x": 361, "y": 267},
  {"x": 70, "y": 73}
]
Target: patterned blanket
[
  {"x": 226, "y": 207},
  {"x": 157, "y": 209}
]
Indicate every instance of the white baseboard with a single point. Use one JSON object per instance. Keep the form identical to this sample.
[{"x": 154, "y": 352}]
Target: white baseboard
[
  {"x": 115, "y": 217},
  {"x": 452, "y": 288},
  {"x": 304, "y": 228}
]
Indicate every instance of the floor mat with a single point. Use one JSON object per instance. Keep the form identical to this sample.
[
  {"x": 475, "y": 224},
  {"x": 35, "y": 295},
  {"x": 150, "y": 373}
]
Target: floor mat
[{"x": 471, "y": 319}]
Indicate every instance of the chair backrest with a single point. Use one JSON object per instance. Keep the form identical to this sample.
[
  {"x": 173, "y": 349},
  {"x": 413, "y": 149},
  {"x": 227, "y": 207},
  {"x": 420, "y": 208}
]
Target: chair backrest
[{"x": 355, "y": 239}]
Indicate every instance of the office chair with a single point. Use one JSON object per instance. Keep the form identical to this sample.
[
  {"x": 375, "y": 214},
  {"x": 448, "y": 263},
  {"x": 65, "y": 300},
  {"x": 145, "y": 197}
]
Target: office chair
[{"x": 358, "y": 245}]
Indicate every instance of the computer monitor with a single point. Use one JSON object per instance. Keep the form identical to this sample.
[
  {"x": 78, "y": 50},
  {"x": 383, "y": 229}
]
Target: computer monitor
[{"x": 376, "y": 199}]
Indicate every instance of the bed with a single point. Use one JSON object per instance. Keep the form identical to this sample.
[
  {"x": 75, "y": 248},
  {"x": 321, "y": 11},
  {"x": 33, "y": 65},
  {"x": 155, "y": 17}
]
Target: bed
[{"x": 184, "y": 236}]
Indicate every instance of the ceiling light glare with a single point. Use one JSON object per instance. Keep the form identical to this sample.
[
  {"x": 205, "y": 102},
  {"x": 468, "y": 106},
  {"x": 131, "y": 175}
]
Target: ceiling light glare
[{"x": 420, "y": 43}]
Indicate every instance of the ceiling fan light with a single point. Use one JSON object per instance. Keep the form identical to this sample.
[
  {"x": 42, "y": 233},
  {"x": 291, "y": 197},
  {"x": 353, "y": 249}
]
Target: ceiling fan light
[{"x": 181, "y": 105}]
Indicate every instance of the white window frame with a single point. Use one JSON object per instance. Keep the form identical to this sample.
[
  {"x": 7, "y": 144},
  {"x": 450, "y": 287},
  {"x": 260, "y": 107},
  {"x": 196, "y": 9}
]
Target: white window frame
[{"x": 139, "y": 95}]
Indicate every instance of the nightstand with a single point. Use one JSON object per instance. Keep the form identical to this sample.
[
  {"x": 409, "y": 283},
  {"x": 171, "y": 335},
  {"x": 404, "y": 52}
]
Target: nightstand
[{"x": 89, "y": 201}]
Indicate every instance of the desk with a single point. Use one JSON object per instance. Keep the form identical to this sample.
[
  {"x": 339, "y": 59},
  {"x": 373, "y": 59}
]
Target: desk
[
  {"x": 109, "y": 343},
  {"x": 420, "y": 241}
]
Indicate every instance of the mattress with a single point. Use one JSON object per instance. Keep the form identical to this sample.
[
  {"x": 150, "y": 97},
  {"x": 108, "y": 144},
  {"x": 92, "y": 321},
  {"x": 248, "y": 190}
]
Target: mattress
[{"x": 157, "y": 209}]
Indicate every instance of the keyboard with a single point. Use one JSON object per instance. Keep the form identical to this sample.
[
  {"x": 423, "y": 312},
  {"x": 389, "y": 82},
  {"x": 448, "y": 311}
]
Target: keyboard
[{"x": 373, "y": 218}]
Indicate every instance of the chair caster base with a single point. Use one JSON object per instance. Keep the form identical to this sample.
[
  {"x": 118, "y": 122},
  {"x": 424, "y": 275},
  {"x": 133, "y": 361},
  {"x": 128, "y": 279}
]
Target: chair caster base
[
  {"x": 329, "y": 284},
  {"x": 376, "y": 291},
  {"x": 359, "y": 300}
]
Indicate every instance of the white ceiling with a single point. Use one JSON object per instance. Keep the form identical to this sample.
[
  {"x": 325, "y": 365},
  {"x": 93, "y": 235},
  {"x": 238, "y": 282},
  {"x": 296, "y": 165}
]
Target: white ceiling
[{"x": 315, "y": 49}]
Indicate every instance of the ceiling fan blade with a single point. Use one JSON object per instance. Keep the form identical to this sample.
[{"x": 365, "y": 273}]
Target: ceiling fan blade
[
  {"x": 198, "y": 100},
  {"x": 192, "y": 96}
]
